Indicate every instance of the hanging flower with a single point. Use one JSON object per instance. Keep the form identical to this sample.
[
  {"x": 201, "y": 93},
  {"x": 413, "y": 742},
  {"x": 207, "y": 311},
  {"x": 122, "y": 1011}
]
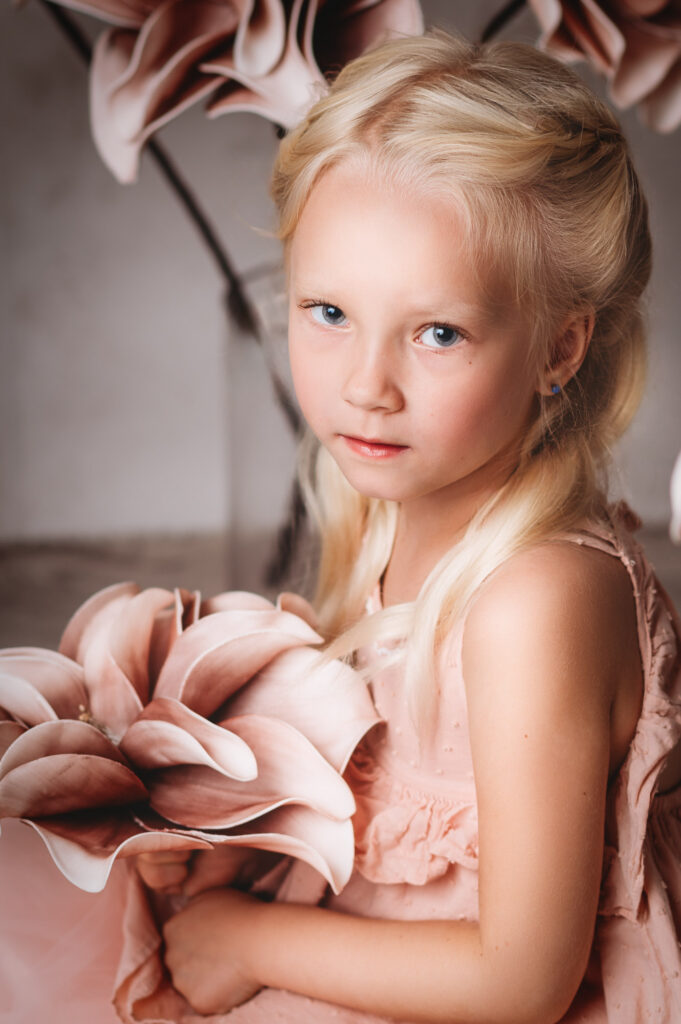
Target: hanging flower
[
  {"x": 675, "y": 496},
  {"x": 636, "y": 44},
  {"x": 167, "y": 723},
  {"x": 267, "y": 56}
]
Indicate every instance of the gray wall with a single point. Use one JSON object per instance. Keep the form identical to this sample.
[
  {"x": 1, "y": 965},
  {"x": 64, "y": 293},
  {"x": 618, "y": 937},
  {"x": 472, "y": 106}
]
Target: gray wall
[{"x": 126, "y": 403}]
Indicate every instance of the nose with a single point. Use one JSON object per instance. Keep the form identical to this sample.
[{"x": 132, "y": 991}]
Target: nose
[{"x": 371, "y": 379}]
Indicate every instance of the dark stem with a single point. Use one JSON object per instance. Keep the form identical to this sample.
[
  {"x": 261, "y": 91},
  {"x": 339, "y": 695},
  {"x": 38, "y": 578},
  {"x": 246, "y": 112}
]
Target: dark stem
[
  {"x": 238, "y": 304},
  {"x": 288, "y": 540},
  {"x": 500, "y": 19}
]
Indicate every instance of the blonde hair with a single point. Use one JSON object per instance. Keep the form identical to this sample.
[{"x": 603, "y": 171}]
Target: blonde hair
[{"x": 556, "y": 225}]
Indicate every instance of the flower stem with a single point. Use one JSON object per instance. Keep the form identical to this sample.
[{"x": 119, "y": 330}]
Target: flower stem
[
  {"x": 238, "y": 304},
  {"x": 501, "y": 19}
]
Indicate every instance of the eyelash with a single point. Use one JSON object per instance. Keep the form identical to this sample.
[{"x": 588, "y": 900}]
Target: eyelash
[{"x": 462, "y": 336}]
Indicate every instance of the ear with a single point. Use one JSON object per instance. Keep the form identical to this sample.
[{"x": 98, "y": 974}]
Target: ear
[{"x": 567, "y": 353}]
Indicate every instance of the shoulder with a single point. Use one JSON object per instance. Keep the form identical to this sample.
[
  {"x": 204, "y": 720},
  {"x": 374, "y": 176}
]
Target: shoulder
[
  {"x": 554, "y": 590},
  {"x": 557, "y": 623}
]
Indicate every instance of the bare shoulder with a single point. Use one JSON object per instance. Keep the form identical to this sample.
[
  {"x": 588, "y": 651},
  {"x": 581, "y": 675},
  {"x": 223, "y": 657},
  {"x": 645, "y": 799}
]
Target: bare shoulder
[
  {"x": 564, "y": 616},
  {"x": 561, "y": 585}
]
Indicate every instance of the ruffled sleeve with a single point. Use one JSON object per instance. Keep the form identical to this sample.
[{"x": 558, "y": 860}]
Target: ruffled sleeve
[{"x": 407, "y": 834}]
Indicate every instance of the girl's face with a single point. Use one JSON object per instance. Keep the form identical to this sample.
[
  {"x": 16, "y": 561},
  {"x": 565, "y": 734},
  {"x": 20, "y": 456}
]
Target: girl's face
[{"x": 419, "y": 393}]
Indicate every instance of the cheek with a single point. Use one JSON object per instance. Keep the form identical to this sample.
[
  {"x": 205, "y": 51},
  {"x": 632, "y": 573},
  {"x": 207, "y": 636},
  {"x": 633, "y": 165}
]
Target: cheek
[{"x": 308, "y": 384}]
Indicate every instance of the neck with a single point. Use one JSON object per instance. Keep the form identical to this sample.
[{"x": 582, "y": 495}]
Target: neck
[{"x": 427, "y": 528}]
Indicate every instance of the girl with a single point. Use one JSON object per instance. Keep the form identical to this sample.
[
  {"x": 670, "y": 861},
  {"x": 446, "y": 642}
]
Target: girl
[{"x": 467, "y": 246}]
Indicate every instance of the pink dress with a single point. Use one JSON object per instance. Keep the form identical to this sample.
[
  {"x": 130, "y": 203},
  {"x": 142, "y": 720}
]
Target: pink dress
[
  {"x": 417, "y": 842},
  {"x": 416, "y": 828}
]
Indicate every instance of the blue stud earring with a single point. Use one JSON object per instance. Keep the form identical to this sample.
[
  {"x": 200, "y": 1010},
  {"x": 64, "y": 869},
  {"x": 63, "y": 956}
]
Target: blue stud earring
[{"x": 555, "y": 389}]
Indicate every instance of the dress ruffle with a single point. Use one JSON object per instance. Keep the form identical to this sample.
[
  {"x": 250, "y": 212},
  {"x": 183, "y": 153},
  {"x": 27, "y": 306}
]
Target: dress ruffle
[
  {"x": 404, "y": 834},
  {"x": 639, "y": 913}
]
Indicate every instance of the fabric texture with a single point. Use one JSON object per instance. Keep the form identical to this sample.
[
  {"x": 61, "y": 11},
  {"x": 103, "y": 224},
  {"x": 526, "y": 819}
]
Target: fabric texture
[{"x": 417, "y": 847}]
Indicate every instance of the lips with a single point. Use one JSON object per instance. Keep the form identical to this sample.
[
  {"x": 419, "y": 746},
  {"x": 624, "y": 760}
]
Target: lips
[{"x": 373, "y": 448}]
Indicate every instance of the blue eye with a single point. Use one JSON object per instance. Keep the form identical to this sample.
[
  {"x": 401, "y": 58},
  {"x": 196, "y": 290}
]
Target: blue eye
[
  {"x": 327, "y": 314},
  {"x": 440, "y": 336}
]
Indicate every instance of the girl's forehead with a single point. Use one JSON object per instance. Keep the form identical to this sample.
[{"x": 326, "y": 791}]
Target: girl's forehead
[{"x": 354, "y": 213}]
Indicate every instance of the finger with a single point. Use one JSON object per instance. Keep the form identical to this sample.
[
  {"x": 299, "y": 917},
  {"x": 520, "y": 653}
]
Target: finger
[
  {"x": 213, "y": 869},
  {"x": 165, "y": 857},
  {"x": 163, "y": 876}
]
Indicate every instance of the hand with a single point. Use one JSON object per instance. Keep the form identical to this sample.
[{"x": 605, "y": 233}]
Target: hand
[
  {"x": 165, "y": 871},
  {"x": 193, "y": 872},
  {"x": 207, "y": 947}
]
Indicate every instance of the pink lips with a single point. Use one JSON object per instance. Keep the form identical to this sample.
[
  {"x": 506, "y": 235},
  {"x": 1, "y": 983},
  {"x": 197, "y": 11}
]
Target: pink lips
[{"x": 373, "y": 449}]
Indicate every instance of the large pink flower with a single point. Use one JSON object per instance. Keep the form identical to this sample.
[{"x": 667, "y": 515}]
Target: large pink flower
[
  {"x": 164, "y": 722},
  {"x": 268, "y": 56},
  {"x": 636, "y": 44}
]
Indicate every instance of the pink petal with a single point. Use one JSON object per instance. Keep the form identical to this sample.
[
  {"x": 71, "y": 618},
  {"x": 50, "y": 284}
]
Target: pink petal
[
  {"x": 84, "y": 848},
  {"x": 290, "y": 770},
  {"x": 328, "y": 702},
  {"x": 343, "y": 32},
  {"x": 74, "y": 636},
  {"x": 215, "y": 656},
  {"x": 9, "y": 732},
  {"x": 640, "y": 8},
  {"x": 645, "y": 64},
  {"x": 260, "y": 36},
  {"x": 168, "y": 625},
  {"x": 297, "y": 831},
  {"x": 237, "y": 600},
  {"x": 23, "y": 702},
  {"x": 59, "y": 783},
  {"x": 119, "y": 12},
  {"x": 287, "y": 91},
  {"x": 583, "y": 30},
  {"x": 112, "y": 699},
  {"x": 58, "y": 679},
  {"x": 138, "y": 84},
  {"x": 63, "y": 737},
  {"x": 661, "y": 110},
  {"x": 297, "y": 605},
  {"x": 131, "y": 634},
  {"x": 167, "y": 733}
]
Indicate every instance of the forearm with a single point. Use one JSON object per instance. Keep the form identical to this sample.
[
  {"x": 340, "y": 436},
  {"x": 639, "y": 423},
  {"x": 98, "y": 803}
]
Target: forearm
[{"x": 432, "y": 971}]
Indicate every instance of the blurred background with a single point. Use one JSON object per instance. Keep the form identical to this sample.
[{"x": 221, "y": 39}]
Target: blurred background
[{"x": 139, "y": 434}]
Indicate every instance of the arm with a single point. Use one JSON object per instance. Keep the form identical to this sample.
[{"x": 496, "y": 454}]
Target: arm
[{"x": 540, "y": 698}]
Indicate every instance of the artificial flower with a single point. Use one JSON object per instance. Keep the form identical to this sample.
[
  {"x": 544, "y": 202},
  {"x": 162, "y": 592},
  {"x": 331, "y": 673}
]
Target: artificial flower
[
  {"x": 675, "y": 496},
  {"x": 164, "y": 722},
  {"x": 267, "y": 56},
  {"x": 636, "y": 44}
]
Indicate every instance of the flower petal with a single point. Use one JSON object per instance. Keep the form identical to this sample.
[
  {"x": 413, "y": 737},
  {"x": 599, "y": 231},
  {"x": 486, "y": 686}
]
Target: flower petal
[
  {"x": 74, "y": 637},
  {"x": 139, "y": 83},
  {"x": 112, "y": 699},
  {"x": 168, "y": 733},
  {"x": 85, "y": 846},
  {"x": 61, "y": 737},
  {"x": 238, "y": 600},
  {"x": 131, "y": 635},
  {"x": 59, "y": 783},
  {"x": 9, "y": 732},
  {"x": 260, "y": 36},
  {"x": 287, "y": 91},
  {"x": 215, "y": 656},
  {"x": 58, "y": 679},
  {"x": 120, "y": 12},
  {"x": 23, "y": 702},
  {"x": 297, "y": 831},
  {"x": 661, "y": 110},
  {"x": 328, "y": 702},
  {"x": 645, "y": 64},
  {"x": 290, "y": 770}
]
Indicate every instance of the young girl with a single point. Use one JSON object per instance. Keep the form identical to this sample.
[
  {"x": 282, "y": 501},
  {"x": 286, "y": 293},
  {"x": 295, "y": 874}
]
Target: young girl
[{"x": 467, "y": 246}]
